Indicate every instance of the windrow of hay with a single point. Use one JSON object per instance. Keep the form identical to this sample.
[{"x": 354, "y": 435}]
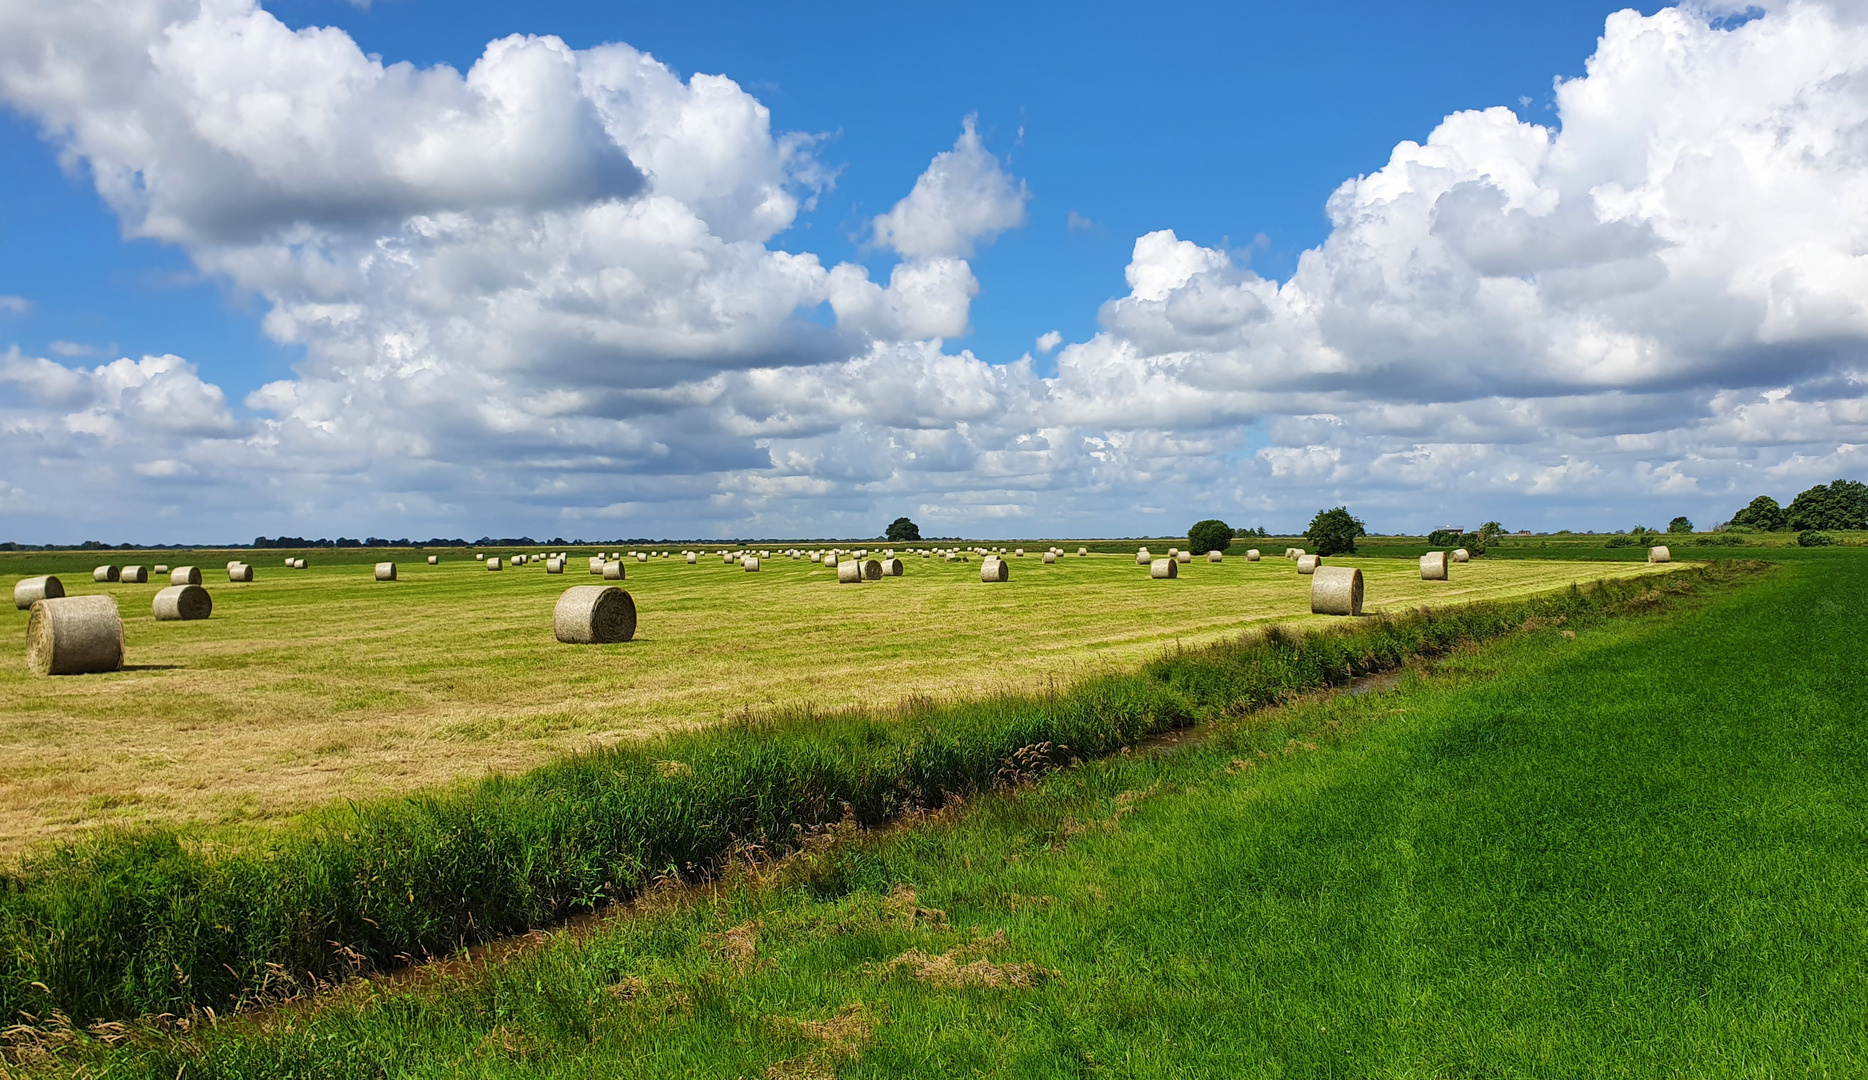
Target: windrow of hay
[
  {"x": 594, "y": 615},
  {"x": 43, "y": 587},
  {"x": 1336, "y": 590},
  {"x": 74, "y": 635},
  {"x": 182, "y": 603}
]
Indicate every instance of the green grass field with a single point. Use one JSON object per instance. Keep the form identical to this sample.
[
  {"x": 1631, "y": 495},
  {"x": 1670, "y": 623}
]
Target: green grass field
[
  {"x": 312, "y": 686},
  {"x": 1630, "y": 846}
]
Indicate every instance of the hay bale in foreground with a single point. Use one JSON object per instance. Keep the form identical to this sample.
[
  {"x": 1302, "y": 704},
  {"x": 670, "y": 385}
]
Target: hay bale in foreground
[
  {"x": 1253, "y": 555},
  {"x": 104, "y": 573},
  {"x": 1164, "y": 568},
  {"x": 1215, "y": 556},
  {"x": 239, "y": 572},
  {"x": 74, "y": 635},
  {"x": 993, "y": 568},
  {"x": 1336, "y": 590},
  {"x": 182, "y": 603},
  {"x": 1461, "y": 555},
  {"x": 28, "y": 590},
  {"x": 1659, "y": 554},
  {"x": 134, "y": 575},
  {"x": 385, "y": 571},
  {"x": 613, "y": 570},
  {"x": 892, "y": 568},
  {"x": 1184, "y": 556},
  {"x": 872, "y": 569},
  {"x": 1433, "y": 566},
  {"x": 750, "y": 564},
  {"x": 1142, "y": 558},
  {"x": 434, "y": 560},
  {"x": 850, "y": 573},
  {"x": 554, "y": 566},
  {"x": 692, "y": 559},
  {"x": 492, "y": 564},
  {"x": 1307, "y": 564},
  {"x": 1050, "y": 557},
  {"x": 594, "y": 615},
  {"x": 185, "y": 575}
]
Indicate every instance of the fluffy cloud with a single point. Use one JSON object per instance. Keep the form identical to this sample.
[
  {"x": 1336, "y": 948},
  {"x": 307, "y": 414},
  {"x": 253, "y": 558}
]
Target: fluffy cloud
[{"x": 540, "y": 295}]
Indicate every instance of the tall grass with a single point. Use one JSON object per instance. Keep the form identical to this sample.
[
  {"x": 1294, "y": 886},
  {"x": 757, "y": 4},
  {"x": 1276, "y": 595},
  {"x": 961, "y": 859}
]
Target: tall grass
[{"x": 128, "y": 924}]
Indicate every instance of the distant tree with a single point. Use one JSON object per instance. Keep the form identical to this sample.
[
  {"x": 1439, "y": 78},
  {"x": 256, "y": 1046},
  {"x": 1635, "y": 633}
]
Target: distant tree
[
  {"x": 1251, "y": 532},
  {"x": 903, "y": 531},
  {"x": 1490, "y": 531},
  {"x": 1334, "y": 532},
  {"x": 1444, "y": 538},
  {"x": 1680, "y": 525},
  {"x": 1827, "y": 506},
  {"x": 1209, "y": 535},
  {"x": 1763, "y": 514}
]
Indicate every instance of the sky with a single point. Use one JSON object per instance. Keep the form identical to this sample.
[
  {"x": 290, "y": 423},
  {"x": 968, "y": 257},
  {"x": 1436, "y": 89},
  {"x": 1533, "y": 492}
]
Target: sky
[{"x": 412, "y": 268}]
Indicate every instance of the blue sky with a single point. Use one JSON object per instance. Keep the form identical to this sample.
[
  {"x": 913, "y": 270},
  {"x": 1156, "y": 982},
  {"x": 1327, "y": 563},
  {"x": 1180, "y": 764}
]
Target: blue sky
[{"x": 1290, "y": 258}]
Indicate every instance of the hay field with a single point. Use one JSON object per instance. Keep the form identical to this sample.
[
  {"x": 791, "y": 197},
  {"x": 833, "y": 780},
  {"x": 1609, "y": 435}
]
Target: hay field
[{"x": 321, "y": 684}]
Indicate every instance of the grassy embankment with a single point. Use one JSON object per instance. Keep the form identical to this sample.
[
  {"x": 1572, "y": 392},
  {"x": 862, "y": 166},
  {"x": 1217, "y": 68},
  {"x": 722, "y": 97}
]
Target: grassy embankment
[
  {"x": 312, "y": 686},
  {"x": 1637, "y": 851}
]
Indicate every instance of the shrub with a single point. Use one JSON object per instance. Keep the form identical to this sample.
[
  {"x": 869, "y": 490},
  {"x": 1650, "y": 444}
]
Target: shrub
[
  {"x": 1680, "y": 525},
  {"x": 1334, "y": 532},
  {"x": 1814, "y": 538},
  {"x": 1209, "y": 535}
]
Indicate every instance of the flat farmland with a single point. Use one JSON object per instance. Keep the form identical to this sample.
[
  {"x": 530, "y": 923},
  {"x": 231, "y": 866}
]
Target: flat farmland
[{"x": 309, "y": 686}]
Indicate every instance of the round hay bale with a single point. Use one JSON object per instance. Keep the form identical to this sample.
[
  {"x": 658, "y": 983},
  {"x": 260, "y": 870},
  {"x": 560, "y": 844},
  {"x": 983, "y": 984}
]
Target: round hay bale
[
  {"x": 750, "y": 564},
  {"x": 134, "y": 575},
  {"x": 596, "y": 565},
  {"x": 830, "y": 559},
  {"x": 385, "y": 571},
  {"x": 298, "y": 564},
  {"x": 1050, "y": 557},
  {"x": 1164, "y": 568},
  {"x": 1659, "y": 554},
  {"x": 892, "y": 568},
  {"x": 1173, "y": 552},
  {"x": 105, "y": 573},
  {"x": 74, "y": 635},
  {"x": 1214, "y": 556},
  {"x": 1461, "y": 555},
  {"x": 1082, "y": 551},
  {"x": 1307, "y": 564},
  {"x": 1336, "y": 590},
  {"x": 1020, "y": 553},
  {"x": 1184, "y": 556},
  {"x": 43, "y": 587},
  {"x": 182, "y": 603},
  {"x": 816, "y": 558},
  {"x": 1292, "y": 553},
  {"x": 239, "y": 572},
  {"x": 613, "y": 570},
  {"x": 1253, "y": 554},
  {"x": 185, "y": 575},
  {"x": 479, "y": 558},
  {"x": 1142, "y": 558},
  {"x": 872, "y": 569},
  {"x": 288, "y": 563},
  {"x": 554, "y": 566},
  {"x": 161, "y": 568},
  {"x": 993, "y": 568},
  {"x": 518, "y": 560},
  {"x": 850, "y": 573},
  {"x": 594, "y": 615},
  {"x": 492, "y": 564},
  {"x": 642, "y": 556},
  {"x": 1433, "y": 566},
  {"x": 434, "y": 560},
  {"x": 692, "y": 559}
]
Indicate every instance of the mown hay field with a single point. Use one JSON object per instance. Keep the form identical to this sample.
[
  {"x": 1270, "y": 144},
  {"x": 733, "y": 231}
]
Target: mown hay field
[{"x": 312, "y": 685}]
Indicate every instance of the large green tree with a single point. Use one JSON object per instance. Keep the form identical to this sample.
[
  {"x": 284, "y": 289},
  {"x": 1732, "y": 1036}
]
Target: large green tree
[
  {"x": 903, "y": 531},
  {"x": 1209, "y": 535},
  {"x": 1334, "y": 532},
  {"x": 1763, "y": 513},
  {"x": 1829, "y": 506}
]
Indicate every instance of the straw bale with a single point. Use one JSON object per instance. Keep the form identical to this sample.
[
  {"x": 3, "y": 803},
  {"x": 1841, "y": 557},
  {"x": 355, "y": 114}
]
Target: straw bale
[
  {"x": 1142, "y": 558},
  {"x": 1253, "y": 555},
  {"x": 1659, "y": 554},
  {"x": 816, "y": 558},
  {"x": 288, "y": 562},
  {"x": 1050, "y": 557},
  {"x": 993, "y": 568},
  {"x": 43, "y": 587},
  {"x": 185, "y": 575},
  {"x": 104, "y": 573},
  {"x": 479, "y": 557},
  {"x": 850, "y": 573},
  {"x": 872, "y": 569},
  {"x": 1019, "y": 553},
  {"x": 182, "y": 603},
  {"x": 1082, "y": 551},
  {"x": 160, "y": 568},
  {"x": 1214, "y": 556},
  {"x": 750, "y": 564},
  {"x": 613, "y": 570},
  {"x": 1336, "y": 590},
  {"x": 385, "y": 571},
  {"x": 434, "y": 560},
  {"x": 892, "y": 567},
  {"x": 297, "y": 564},
  {"x": 596, "y": 565},
  {"x": 1184, "y": 556},
  {"x": 1433, "y": 566},
  {"x": 830, "y": 559},
  {"x": 133, "y": 575},
  {"x": 74, "y": 635},
  {"x": 692, "y": 559},
  {"x": 492, "y": 564},
  {"x": 1173, "y": 552},
  {"x": 642, "y": 556},
  {"x": 1461, "y": 555},
  {"x": 240, "y": 572},
  {"x": 594, "y": 615},
  {"x": 1164, "y": 568},
  {"x": 1307, "y": 564},
  {"x": 554, "y": 566}
]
